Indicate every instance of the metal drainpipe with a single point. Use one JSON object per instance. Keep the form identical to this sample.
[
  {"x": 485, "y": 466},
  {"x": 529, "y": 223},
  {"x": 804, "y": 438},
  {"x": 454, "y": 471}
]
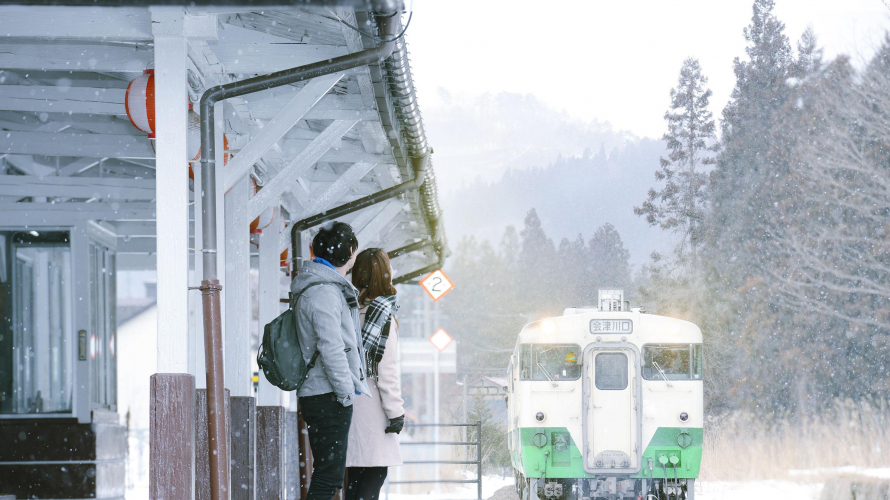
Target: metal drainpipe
[
  {"x": 210, "y": 287},
  {"x": 404, "y": 97}
]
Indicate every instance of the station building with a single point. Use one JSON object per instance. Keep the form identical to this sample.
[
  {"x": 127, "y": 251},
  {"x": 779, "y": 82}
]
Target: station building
[{"x": 102, "y": 173}]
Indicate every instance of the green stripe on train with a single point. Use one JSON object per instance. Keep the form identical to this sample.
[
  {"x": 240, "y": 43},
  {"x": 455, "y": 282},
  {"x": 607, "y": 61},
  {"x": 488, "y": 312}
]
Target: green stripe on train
[{"x": 565, "y": 459}]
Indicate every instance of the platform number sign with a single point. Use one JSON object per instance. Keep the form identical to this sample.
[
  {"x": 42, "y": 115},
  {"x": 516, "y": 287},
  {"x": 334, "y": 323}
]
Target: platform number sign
[
  {"x": 437, "y": 284},
  {"x": 441, "y": 339}
]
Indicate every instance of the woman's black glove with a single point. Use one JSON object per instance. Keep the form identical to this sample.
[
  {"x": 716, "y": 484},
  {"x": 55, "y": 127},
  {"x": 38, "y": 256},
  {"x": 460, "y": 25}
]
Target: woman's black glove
[{"x": 395, "y": 425}]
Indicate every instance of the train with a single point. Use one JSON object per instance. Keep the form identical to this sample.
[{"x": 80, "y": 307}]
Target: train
[{"x": 606, "y": 402}]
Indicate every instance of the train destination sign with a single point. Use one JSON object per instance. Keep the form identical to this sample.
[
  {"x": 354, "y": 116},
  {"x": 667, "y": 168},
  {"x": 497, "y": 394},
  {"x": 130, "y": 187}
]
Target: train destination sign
[
  {"x": 437, "y": 284},
  {"x": 611, "y": 326}
]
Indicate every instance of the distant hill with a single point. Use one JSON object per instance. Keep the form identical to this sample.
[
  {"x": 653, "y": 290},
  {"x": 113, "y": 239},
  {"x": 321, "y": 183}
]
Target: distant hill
[{"x": 499, "y": 156}]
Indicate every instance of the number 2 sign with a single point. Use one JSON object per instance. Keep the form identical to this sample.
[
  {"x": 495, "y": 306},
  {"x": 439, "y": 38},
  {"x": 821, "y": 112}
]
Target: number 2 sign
[{"x": 437, "y": 284}]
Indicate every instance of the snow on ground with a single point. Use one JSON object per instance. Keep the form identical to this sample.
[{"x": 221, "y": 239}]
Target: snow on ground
[
  {"x": 761, "y": 490},
  {"x": 850, "y": 470},
  {"x": 490, "y": 484}
]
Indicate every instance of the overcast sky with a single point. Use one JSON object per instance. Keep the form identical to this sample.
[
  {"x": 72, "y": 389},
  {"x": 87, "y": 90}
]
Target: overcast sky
[{"x": 611, "y": 60}]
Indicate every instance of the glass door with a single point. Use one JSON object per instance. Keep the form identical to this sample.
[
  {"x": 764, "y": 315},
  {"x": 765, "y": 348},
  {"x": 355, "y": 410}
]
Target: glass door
[
  {"x": 103, "y": 327},
  {"x": 37, "y": 337}
]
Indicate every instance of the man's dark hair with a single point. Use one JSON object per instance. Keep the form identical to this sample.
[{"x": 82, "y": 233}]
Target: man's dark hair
[{"x": 335, "y": 243}]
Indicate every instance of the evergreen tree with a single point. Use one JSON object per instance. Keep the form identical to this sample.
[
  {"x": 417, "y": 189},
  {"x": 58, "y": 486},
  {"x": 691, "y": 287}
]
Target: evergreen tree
[
  {"x": 610, "y": 259},
  {"x": 536, "y": 267},
  {"x": 744, "y": 167},
  {"x": 679, "y": 204}
]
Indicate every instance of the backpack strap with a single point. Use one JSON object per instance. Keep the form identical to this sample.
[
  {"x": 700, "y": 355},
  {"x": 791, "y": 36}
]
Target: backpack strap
[{"x": 293, "y": 306}]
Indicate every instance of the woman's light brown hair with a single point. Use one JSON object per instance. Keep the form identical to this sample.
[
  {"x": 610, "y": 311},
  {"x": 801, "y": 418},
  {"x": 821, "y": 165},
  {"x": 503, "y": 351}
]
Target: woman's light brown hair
[{"x": 372, "y": 275}]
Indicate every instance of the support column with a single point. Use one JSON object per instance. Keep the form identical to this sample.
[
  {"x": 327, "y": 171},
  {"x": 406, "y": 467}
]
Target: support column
[
  {"x": 269, "y": 300},
  {"x": 172, "y": 407},
  {"x": 172, "y": 206},
  {"x": 237, "y": 341},
  {"x": 237, "y": 290},
  {"x": 271, "y": 440}
]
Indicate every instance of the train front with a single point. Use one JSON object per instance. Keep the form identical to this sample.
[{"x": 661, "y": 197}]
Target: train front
[{"x": 606, "y": 402}]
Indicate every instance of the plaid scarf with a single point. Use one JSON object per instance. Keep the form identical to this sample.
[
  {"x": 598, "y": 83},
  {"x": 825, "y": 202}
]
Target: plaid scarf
[{"x": 375, "y": 331}]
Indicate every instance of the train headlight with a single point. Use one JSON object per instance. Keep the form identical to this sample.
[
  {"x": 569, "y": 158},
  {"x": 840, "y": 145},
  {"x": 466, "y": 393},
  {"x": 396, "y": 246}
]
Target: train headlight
[
  {"x": 684, "y": 416},
  {"x": 539, "y": 416},
  {"x": 548, "y": 327}
]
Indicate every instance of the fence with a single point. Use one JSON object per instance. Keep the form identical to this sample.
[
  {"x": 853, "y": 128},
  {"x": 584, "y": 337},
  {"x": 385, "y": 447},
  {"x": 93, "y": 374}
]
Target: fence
[{"x": 477, "y": 462}]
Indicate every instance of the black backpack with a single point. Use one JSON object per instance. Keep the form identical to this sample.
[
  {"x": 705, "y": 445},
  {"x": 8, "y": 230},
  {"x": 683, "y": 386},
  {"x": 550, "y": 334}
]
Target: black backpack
[{"x": 280, "y": 357}]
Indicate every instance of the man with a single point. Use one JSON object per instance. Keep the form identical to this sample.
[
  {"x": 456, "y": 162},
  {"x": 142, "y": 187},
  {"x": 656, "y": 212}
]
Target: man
[{"x": 327, "y": 321}]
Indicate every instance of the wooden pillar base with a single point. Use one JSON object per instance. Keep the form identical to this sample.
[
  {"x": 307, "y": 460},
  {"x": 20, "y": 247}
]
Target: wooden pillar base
[
  {"x": 292, "y": 478},
  {"x": 202, "y": 448},
  {"x": 270, "y": 453},
  {"x": 243, "y": 450},
  {"x": 172, "y": 437}
]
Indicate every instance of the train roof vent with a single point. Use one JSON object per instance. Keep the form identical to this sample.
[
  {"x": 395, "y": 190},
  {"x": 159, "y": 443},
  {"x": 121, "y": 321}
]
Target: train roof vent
[{"x": 612, "y": 300}]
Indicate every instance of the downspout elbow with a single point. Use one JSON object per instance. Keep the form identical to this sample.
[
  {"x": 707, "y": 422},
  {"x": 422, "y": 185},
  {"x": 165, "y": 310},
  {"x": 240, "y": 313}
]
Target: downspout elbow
[
  {"x": 419, "y": 165},
  {"x": 388, "y": 25}
]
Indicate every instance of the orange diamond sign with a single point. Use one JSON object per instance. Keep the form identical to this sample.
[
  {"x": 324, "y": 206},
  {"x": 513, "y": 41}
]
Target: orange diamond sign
[
  {"x": 441, "y": 339},
  {"x": 437, "y": 284}
]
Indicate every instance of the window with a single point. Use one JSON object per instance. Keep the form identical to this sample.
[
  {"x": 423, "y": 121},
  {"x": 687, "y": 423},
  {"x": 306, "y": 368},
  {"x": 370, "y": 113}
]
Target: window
[
  {"x": 550, "y": 362},
  {"x": 610, "y": 372},
  {"x": 675, "y": 361}
]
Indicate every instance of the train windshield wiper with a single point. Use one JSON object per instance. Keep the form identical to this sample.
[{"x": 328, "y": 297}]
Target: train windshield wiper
[
  {"x": 661, "y": 372},
  {"x": 546, "y": 374}
]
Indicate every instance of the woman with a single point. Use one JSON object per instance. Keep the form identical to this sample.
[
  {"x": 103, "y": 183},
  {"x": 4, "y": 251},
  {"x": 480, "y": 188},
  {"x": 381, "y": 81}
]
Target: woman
[{"x": 377, "y": 421}]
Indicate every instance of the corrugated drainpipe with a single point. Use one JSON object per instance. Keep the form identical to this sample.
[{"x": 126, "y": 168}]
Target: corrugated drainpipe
[
  {"x": 401, "y": 87},
  {"x": 210, "y": 287}
]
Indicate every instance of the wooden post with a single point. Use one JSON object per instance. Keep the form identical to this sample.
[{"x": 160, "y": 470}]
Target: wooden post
[
  {"x": 172, "y": 435},
  {"x": 292, "y": 479},
  {"x": 202, "y": 451},
  {"x": 172, "y": 428},
  {"x": 305, "y": 460},
  {"x": 243, "y": 455},
  {"x": 270, "y": 454}
]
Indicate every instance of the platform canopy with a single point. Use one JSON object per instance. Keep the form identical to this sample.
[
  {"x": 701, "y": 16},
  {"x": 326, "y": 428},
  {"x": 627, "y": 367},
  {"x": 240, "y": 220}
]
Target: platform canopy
[{"x": 71, "y": 152}]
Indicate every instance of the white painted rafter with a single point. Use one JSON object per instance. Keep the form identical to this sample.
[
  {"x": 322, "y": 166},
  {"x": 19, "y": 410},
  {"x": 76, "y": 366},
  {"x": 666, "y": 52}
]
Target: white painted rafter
[
  {"x": 370, "y": 233},
  {"x": 298, "y": 166},
  {"x": 59, "y": 22},
  {"x": 275, "y": 128},
  {"x": 41, "y": 98},
  {"x": 337, "y": 189},
  {"x": 75, "y": 57},
  {"x": 76, "y": 144},
  {"x": 80, "y": 210},
  {"x": 206, "y": 62},
  {"x": 79, "y": 165},
  {"x": 77, "y": 187}
]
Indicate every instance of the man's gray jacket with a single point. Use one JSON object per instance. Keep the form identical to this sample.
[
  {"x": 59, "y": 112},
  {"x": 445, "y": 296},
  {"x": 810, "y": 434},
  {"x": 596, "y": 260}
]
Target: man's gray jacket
[{"x": 327, "y": 323}]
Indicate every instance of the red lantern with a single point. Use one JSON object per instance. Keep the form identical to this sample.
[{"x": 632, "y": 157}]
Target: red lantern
[{"x": 140, "y": 103}]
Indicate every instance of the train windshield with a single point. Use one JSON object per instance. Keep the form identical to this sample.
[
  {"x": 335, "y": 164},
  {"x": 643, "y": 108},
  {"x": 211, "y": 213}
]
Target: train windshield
[
  {"x": 550, "y": 362},
  {"x": 672, "y": 361}
]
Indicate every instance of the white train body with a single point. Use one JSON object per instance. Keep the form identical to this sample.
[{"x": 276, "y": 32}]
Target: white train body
[{"x": 606, "y": 403}]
